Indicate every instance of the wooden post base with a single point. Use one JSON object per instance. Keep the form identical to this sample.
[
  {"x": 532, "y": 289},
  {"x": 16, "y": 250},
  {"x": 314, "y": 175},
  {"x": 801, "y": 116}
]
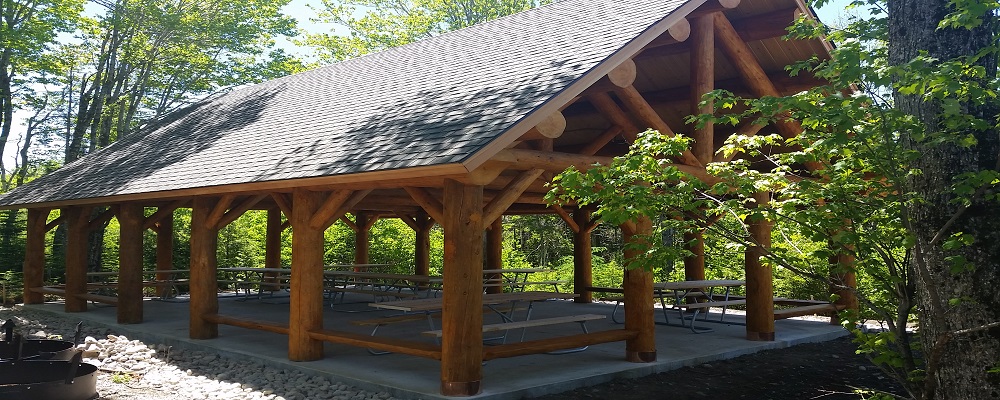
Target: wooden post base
[
  {"x": 760, "y": 336},
  {"x": 640, "y": 356},
  {"x": 461, "y": 388}
]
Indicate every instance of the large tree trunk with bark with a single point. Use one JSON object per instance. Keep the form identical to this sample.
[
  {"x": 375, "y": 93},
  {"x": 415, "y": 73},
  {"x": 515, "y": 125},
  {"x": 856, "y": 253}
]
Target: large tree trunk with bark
[{"x": 959, "y": 309}]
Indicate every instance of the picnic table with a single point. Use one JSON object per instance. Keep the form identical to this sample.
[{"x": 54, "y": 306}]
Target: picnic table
[
  {"x": 490, "y": 301},
  {"x": 681, "y": 291},
  {"x": 169, "y": 284},
  {"x": 378, "y": 284},
  {"x": 515, "y": 278}
]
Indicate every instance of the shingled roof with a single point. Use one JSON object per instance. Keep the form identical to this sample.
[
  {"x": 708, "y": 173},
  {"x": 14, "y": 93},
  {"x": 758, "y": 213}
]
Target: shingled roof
[{"x": 435, "y": 102}]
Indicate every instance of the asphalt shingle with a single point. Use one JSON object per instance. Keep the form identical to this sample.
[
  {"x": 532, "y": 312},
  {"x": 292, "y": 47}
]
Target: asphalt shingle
[{"x": 433, "y": 102}]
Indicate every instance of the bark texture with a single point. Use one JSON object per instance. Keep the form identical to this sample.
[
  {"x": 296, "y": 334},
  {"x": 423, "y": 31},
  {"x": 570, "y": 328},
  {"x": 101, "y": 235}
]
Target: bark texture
[{"x": 958, "y": 350}]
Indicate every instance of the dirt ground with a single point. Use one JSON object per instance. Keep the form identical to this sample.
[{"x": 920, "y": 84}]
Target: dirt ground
[{"x": 828, "y": 371}]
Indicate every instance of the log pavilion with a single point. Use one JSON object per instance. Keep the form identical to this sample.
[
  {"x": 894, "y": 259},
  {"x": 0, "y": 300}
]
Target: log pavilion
[{"x": 459, "y": 129}]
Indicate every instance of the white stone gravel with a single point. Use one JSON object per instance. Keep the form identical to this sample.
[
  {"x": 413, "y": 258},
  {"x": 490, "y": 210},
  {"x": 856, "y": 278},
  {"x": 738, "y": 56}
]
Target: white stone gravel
[{"x": 130, "y": 369}]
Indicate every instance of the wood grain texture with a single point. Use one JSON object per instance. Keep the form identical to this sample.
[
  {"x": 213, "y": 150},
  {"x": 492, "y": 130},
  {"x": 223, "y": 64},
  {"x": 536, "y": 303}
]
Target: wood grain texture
[
  {"x": 638, "y": 285},
  {"x": 583, "y": 268},
  {"x": 164, "y": 249},
  {"x": 130, "y": 220},
  {"x": 702, "y": 82},
  {"x": 760, "y": 287},
  {"x": 306, "y": 296},
  {"x": 461, "y": 344},
  {"x": 34, "y": 255},
  {"x": 77, "y": 230},
  {"x": 204, "y": 283}
]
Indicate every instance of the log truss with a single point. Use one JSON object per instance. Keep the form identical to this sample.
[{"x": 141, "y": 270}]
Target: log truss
[{"x": 643, "y": 91}]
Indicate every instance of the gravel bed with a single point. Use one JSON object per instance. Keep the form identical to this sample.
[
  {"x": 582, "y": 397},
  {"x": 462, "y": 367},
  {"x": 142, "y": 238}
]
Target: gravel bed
[{"x": 130, "y": 369}]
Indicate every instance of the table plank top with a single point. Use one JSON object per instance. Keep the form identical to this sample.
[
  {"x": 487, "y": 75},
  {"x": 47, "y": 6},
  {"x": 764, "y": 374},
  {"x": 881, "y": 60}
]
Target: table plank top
[
  {"x": 514, "y": 270},
  {"x": 381, "y": 275},
  {"x": 252, "y": 269},
  {"x": 682, "y": 285},
  {"x": 435, "y": 303},
  {"x": 159, "y": 271}
]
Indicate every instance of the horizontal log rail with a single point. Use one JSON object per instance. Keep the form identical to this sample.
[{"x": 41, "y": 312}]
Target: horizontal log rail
[
  {"x": 413, "y": 348},
  {"x": 275, "y": 327},
  {"x": 556, "y": 343}
]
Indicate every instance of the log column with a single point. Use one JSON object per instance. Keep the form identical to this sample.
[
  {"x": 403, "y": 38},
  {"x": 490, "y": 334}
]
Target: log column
[
  {"x": 494, "y": 254},
  {"x": 422, "y": 245},
  {"x": 77, "y": 230},
  {"x": 638, "y": 287},
  {"x": 760, "y": 287},
  {"x": 703, "y": 81},
  {"x": 204, "y": 283},
  {"x": 306, "y": 307},
  {"x": 34, "y": 255},
  {"x": 462, "y": 318},
  {"x": 130, "y": 221},
  {"x": 843, "y": 279},
  {"x": 272, "y": 246},
  {"x": 583, "y": 268},
  {"x": 165, "y": 251},
  {"x": 694, "y": 265},
  {"x": 362, "y": 238}
]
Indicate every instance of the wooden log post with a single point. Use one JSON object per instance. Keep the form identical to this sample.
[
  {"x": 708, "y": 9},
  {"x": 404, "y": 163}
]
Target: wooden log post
[
  {"x": 702, "y": 82},
  {"x": 272, "y": 247},
  {"x": 362, "y": 238},
  {"x": 77, "y": 230},
  {"x": 306, "y": 306},
  {"x": 583, "y": 268},
  {"x": 843, "y": 279},
  {"x": 462, "y": 317},
  {"x": 33, "y": 268},
  {"x": 694, "y": 264},
  {"x": 422, "y": 245},
  {"x": 204, "y": 282},
  {"x": 760, "y": 285},
  {"x": 165, "y": 251},
  {"x": 494, "y": 254},
  {"x": 130, "y": 219},
  {"x": 638, "y": 287}
]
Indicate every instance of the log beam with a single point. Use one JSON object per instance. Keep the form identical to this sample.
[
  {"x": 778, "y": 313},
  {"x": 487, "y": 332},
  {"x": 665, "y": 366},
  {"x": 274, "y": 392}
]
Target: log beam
[
  {"x": 601, "y": 140},
  {"x": 33, "y": 268},
  {"x": 634, "y": 101},
  {"x": 551, "y": 127},
  {"x": 331, "y": 205},
  {"x": 431, "y": 205},
  {"x": 362, "y": 236},
  {"x": 163, "y": 212},
  {"x": 496, "y": 207},
  {"x": 548, "y": 161},
  {"x": 283, "y": 204},
  {"x": 204, "y": 282},
  {"x": 610, "y": 110},
  {"x": 461, "y": 342},
  {"x": 102, "y": 219},
  {"x": 306, "y": 295},
  {"x": 694, "y": 264},
  {"x": 272, "y": 245},
  {"x": 238, "y": 210},
  {"x": 130, "y": 221},
  {"x": 220, "y": 209},
  {"x": 54, "y": 223},
  {"x": 422, "y": 245},
  {"x": 573, "y": 225}
]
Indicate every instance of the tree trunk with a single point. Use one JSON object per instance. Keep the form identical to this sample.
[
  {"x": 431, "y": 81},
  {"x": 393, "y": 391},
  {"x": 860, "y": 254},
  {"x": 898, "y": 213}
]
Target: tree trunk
[{"x": 955, "y": 306}]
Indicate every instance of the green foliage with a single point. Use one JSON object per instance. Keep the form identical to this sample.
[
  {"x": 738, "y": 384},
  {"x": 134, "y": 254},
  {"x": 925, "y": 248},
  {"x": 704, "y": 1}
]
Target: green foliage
[{"x": 375, "y": 25}]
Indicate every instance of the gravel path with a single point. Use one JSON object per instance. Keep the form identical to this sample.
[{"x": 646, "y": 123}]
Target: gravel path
[{"x": 131, "y": 369}]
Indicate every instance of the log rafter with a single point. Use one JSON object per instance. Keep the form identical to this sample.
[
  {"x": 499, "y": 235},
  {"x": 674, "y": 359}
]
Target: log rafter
[{"x": 103, "y": 218}]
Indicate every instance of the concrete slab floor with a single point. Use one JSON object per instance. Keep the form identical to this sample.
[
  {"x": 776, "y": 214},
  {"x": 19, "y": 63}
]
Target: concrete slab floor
[{"x": 411, "y": 377}]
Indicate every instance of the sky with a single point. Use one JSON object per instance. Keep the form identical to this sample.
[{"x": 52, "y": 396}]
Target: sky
[{"x": 300, "y": 9}]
